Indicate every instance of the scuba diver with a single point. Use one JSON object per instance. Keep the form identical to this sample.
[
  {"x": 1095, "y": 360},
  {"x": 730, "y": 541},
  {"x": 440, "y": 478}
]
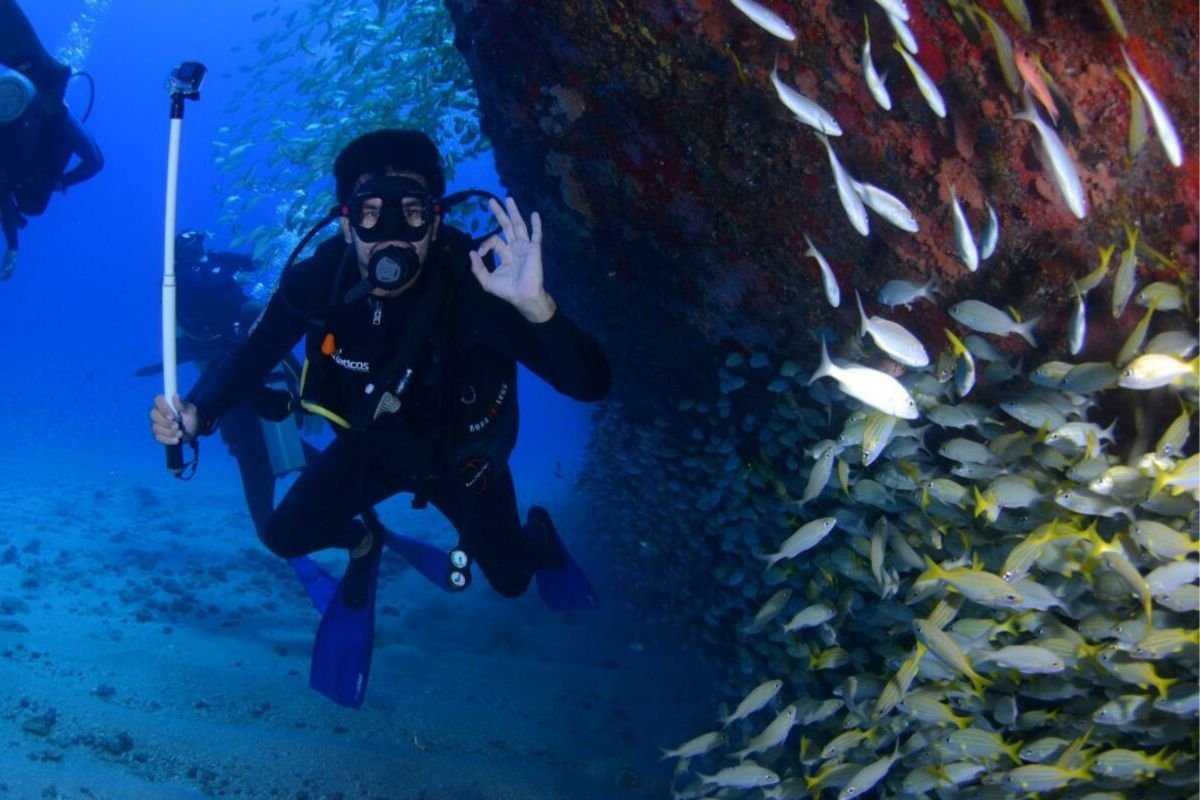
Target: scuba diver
[
  {"x": 213, "y": 316},
  {"x": 38, "y": 133},
  {"x": 412, "y": 336}
]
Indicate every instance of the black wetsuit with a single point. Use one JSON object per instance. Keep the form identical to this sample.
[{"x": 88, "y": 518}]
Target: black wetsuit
[{"x": 449, "y": 440}]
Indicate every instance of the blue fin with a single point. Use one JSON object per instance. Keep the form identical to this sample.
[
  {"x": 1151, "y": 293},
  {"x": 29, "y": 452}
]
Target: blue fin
[
  {"x": 430, "y": 561},
  {"x": 320, "y": 585},
  {"x": 341, "y": 658},
  {"x": 566, "y": 588}
]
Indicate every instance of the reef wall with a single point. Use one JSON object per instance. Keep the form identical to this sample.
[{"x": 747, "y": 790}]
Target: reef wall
[{"x": 676, "y": 188}]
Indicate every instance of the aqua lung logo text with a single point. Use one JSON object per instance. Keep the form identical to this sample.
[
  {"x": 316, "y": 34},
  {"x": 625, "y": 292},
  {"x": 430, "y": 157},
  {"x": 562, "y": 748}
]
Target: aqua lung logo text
[
  {"x": 493, "y": 410},
  {"x": 346, "y": 363}
]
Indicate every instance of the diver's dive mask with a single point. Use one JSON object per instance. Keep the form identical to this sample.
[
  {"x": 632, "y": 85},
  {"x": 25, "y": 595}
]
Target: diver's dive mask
[
  {"x": 391, "y": 208},
  {"x": 387, "y": 208}
]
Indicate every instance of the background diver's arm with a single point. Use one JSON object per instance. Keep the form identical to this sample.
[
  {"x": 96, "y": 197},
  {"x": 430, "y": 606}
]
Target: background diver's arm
[
  {"x": 10, "y": 219},
  {"x": 84, "y": 146}
]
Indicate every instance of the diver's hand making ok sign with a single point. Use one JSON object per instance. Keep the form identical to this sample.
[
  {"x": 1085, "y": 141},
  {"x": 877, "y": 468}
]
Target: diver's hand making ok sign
[{"x": 518, "y": 274}]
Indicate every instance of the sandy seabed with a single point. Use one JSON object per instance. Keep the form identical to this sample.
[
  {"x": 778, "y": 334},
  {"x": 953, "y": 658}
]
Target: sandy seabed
[{"x": 150, "y": 647}]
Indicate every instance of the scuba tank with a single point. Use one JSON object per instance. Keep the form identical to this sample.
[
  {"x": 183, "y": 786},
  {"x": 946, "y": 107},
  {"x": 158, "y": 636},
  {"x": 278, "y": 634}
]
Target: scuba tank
[{"x": 285, "y": 449}]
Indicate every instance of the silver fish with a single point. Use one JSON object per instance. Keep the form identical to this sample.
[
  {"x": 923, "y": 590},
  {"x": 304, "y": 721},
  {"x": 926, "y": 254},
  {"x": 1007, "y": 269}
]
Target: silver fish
[
  {"x": 802, "y": 540},
  {"x": 1062, "y": 168},
  {"x": 698, "y": 746},
  {"x": 888, "y": 206},
  {"x": 856, "y": 212},
  {"x": 870, "y": 386},
  {"x": 1158, "y": 114},
  {"x": 903, "y": 34},
  {"x": 903, "y": 293},
  {"x": 892, "y": 338},
  {"x": 874, "y": 83},
  {"x": 766, "y": 19},
  {"x": 1077, "y": 331},
  {"x": 895, "y": 9},
  {"x": 963, "y": 239},
  {"x": 810, "y": 617},
  {"x": 806, "y": 110},
  {"x": 828, "y": 279},
  {"x": 759, "y": 696},
  {"x": 744, "y": 776},
  {"x": 990, "y": 236},
  {"x": 979, "y": 316}
]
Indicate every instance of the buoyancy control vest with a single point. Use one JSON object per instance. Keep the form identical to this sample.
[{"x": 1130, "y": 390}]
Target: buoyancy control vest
[{"x": 393, "y": 368}]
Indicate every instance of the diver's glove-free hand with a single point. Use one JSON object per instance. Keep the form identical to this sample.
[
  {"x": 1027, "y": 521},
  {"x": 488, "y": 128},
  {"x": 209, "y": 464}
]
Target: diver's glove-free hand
[{"x": 168, "y": 427}]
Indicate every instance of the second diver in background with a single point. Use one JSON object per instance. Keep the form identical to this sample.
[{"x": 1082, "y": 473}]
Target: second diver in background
[{"x": 38, "y": 133}]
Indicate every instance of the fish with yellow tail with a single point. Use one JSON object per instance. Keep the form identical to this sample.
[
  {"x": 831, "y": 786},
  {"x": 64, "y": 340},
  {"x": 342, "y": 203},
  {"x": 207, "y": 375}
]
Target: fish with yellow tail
[
  {"x": 1126, "y": 277},
  {"x": 982, "y": 587},
  {"x": 942, "y": 645},
  {"x": 1152, "y": 370},
  {"x": 1114, "y": 18},
  {"x": 925, "y": 84},
  {"x": 964, "y": 365},
  {"x": 1139, "y": 126}
]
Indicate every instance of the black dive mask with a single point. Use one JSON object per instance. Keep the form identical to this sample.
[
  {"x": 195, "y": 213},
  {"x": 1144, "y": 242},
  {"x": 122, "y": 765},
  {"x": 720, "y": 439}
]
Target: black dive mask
[
  {"x": 391, "y": 208},
  {"x": 394, "y": 266}
]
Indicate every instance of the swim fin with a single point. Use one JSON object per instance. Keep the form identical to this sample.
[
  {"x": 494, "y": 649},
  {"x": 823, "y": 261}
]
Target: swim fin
[
  {"x": 430, "y": 561},
  {"x": 341, "y": 658},
  {"x": 566, "y": 588},
  {"x": 320, "y": 585}
]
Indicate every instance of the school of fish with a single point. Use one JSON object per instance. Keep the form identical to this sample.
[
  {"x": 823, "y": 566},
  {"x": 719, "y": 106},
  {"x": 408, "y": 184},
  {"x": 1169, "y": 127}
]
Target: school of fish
[{"x": 975, "y": 575}]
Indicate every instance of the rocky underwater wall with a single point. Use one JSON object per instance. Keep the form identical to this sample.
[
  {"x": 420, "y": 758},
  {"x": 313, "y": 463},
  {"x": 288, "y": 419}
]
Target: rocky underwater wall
[
  {"x": 677, "y": 187},
  {"x": 981, "y": 526}
]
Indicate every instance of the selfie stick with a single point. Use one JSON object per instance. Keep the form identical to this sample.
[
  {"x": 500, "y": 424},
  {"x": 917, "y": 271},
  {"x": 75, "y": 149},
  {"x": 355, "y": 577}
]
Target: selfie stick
[{"x": 183, "y": 85}]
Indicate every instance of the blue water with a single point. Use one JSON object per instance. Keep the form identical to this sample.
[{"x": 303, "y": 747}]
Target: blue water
[{"x": 512, "y": 702}]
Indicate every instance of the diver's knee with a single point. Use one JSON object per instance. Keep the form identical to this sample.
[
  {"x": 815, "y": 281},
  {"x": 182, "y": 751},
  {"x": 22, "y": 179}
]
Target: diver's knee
[
  {"x": 510, "y": 583},
  {"x": 274, "y": 536}
]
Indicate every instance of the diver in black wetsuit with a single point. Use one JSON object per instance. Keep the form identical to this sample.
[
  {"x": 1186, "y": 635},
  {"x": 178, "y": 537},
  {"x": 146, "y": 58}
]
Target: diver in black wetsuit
[
  {"x": 213, "y": 316},
  {"x": 412, "y": 345},
  {"x": 38, "y": 133}
]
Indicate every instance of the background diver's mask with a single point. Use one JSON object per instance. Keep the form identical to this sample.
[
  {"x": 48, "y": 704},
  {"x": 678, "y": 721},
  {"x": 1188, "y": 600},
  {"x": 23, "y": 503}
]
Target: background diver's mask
[{"x": 16, "y": 93}]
